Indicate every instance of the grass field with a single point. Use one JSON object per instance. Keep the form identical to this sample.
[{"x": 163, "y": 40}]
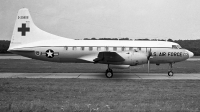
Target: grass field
[
  {"x": 89, "y": 95},
  {"x": 80, "y": 95},
  {"x": 35, "y": 66}
]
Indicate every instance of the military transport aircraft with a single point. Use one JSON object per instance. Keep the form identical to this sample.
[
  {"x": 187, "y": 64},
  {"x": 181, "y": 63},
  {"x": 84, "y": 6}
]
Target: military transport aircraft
[{"x": 30, "y": 41}]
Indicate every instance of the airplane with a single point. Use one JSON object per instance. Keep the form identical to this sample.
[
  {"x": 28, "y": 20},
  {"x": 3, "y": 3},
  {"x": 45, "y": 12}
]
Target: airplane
[{"x": 30, "y": 41}]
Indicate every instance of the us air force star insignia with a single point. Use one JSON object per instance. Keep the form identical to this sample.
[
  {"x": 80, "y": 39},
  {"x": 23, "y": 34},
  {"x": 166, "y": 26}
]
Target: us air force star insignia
[
  {"x": 37, "y": 53},
  {"x": 50, "y": 53}
]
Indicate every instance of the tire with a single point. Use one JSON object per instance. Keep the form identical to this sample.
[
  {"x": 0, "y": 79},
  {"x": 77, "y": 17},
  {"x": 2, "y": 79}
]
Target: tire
[
  {"x": 109, "y": 73},
  {"x": 170, "y": 73}
]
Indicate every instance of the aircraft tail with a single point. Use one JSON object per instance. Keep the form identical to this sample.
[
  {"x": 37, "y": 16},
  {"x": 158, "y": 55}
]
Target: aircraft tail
[{"x": 25, "y": 31}]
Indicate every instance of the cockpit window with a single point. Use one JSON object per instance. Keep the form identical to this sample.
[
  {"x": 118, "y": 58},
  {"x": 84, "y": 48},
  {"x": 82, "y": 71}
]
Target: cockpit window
[{"x": 176, "y": 47}]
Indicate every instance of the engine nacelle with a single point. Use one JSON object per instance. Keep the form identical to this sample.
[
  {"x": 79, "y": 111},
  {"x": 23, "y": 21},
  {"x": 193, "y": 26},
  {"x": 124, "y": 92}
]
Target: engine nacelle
[
  {"x": 139, "y": 58},
  {"x": 134, "y": 58},
  {"x": 119, "y": 66}
]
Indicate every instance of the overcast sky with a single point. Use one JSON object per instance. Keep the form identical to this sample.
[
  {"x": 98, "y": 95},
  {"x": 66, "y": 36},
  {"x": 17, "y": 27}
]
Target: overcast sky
[{"x": 78, "y": 19}]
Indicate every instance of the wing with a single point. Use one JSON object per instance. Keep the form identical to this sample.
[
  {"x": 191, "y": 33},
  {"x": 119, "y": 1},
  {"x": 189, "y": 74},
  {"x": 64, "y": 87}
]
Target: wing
[
  {"x": 108, "y": 57},
  {"x": 103, "y": 57}
]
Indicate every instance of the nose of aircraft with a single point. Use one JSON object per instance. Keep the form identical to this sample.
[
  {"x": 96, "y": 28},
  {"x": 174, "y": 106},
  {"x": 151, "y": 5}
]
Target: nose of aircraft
[{"x": 191, "y": 54}]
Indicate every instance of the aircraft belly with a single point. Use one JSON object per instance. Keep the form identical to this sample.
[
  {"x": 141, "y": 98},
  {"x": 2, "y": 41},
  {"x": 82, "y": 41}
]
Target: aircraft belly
[{"x": 167, "y": 59}]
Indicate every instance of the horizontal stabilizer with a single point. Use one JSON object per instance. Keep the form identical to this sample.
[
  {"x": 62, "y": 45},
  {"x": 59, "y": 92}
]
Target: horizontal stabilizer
[{"x": 20, "y": 50}]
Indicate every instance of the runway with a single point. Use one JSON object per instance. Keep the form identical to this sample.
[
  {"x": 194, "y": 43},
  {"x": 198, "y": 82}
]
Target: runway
[
  {"x": 13, "y": 57},
  {"x": 156, "y": 76}
]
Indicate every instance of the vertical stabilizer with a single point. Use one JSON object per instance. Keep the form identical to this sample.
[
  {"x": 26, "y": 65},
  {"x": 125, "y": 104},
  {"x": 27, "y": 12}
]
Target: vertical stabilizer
[{"x": 25, "y": 31}]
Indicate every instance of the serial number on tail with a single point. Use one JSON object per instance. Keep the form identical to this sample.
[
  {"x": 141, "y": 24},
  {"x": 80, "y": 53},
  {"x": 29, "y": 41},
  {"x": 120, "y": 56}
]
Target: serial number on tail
[{"x": 22, "y": 17}]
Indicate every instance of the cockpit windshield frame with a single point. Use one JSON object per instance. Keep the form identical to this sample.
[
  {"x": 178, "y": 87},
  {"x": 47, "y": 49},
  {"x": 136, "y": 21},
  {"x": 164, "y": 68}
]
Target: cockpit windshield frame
[
  {"x": 179, "y": 47},
  {"x": 176, "y": 47}
]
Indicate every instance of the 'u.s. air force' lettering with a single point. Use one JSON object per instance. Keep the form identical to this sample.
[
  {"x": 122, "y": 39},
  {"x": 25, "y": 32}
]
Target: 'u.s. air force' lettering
[
  {"x": 50, "y": 53},
  {"x": 178, "y": 54}
]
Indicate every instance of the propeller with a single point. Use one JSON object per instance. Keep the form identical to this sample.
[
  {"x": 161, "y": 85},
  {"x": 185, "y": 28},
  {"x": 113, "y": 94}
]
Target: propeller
[{"x": 148, "y": 59}]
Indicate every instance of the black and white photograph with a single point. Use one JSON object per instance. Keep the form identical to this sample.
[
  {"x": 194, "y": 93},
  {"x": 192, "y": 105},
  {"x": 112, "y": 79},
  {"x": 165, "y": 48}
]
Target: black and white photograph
[{"x": 99, "y": 55}]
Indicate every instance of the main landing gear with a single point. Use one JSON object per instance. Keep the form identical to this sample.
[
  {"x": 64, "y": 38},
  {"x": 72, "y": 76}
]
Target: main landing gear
[
  {"x": 109, "y": 72},
  {"x": 170, "y": 72}
]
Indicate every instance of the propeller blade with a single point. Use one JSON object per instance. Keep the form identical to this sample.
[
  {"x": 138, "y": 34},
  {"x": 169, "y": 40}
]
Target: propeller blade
[
  {"x": 149, "y": 55},
  {"x": 148, "y": 65}
]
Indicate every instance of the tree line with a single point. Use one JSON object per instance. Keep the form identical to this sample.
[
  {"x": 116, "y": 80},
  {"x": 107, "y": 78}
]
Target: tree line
[
  {"x": 192, "y": 45},
  {"x": 4, "y": 45}
]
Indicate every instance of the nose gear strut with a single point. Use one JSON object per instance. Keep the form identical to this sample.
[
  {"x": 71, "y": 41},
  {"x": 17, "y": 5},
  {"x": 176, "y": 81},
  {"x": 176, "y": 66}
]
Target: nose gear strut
[{"x": 170, "y": 72}]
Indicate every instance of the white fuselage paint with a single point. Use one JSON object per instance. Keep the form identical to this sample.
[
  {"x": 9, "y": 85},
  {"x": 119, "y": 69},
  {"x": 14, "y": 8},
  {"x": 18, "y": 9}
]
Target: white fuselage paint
[{"x": 84, "y": 51}]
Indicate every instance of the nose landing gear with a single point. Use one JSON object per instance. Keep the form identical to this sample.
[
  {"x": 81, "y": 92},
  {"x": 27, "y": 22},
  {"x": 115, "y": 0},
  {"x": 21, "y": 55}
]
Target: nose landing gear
[{"x": 170, "y": 72}]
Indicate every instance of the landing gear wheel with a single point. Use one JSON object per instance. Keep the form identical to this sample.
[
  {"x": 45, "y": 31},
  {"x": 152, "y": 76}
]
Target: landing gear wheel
[
  {"x": 109, "y": 73},
  {"x": 170, "y": 73}
]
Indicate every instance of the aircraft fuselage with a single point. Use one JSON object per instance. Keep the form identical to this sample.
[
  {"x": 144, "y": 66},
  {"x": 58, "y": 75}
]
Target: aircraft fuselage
[{"x": 86, "y": 54}]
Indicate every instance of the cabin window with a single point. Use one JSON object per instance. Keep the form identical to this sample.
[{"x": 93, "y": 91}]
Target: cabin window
[
  {"x": 126, "y": 49},
  {"x": 123, "y": 48},
  {"x": 82, "y": 48},
  {"x": 107, "y": 48},
  {"x": 90, "y": 48},
  {"x": 103, "y": 48},
  {"x": 130, "y": 48},
  {"x": 139, "y": 48},
  {"x": 114, "y": 48},
  {"x": 135, "y": 50},
  {"x": 74, "y": 48},
  {"x": 118, "y": 48},
  {"x": 98, "y": 48}
]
